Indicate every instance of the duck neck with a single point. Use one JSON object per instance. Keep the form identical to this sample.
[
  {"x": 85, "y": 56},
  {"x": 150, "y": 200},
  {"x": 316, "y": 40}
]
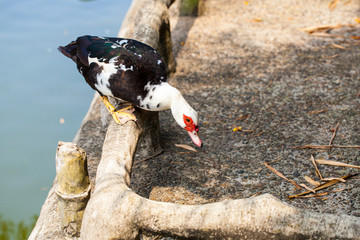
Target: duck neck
[
  {"x": 178, "y": 105},
  {"x": 171, "y": 98}
]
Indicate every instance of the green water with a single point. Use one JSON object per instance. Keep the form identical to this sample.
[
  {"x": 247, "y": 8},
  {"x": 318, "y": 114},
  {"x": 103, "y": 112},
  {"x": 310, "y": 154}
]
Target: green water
[{"x": 38, "y": 87}]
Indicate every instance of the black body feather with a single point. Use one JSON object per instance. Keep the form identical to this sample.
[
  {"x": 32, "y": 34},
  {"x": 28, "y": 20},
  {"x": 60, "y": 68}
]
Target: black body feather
[{"x": 137, "y": 65}]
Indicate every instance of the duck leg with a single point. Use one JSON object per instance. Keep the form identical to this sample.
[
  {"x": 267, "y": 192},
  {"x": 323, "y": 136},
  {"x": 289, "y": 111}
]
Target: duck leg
[{"x": 120, "y": 116}]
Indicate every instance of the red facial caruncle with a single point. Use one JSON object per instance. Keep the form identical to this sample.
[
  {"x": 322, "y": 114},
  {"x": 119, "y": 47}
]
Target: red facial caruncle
[{"x": 192, "y": 129}]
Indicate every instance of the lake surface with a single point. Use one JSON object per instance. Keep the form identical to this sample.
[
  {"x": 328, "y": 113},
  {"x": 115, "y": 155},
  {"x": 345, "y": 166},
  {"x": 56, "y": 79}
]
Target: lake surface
[{"x": 43, "y": 98}]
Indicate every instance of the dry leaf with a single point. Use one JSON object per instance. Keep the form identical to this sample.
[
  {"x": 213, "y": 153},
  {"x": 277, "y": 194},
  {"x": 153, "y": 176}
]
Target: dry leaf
[
  {"x": 311, "y": 181},
  {"x": 355, "y": 37},
  {"x": 280, "y": 174},
  {"x": 318, "y": 111},
  {"x": 237, "y": 129},
  {"x": 335, "y": 163},
  {"x": 258, "y": 170},
  {"x": 187, "y": 147},
  {"x": 338, "y": 46},
  {"x": 333, "y": 56},
  {"x": 257, "y": 20},
  {"x": 242, "y": 117},
  {"x": 333, "y": 4},
  {"x": 243, "y": 130}
]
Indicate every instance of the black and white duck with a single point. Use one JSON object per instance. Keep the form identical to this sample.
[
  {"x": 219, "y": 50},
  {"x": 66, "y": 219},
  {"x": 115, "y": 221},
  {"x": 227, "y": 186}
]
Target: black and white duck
[{"x": 133, "y": 72}]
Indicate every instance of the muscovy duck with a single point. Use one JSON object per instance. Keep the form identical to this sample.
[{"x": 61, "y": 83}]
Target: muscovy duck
[{"x": 132, "y": 72}]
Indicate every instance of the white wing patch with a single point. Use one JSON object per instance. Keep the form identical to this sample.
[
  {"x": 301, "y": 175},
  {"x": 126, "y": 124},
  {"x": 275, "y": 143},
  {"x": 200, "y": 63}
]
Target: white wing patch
[
  {"x": 108, "y": 69},
  {"x": 102, "y": 78},
  {"x": 121, "y": 42},
  {"x": 123, "y": 68}
]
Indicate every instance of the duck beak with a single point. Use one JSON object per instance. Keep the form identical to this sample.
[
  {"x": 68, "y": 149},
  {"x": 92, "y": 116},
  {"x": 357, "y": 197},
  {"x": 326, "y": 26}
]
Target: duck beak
[{"x": 195, "y": 138}]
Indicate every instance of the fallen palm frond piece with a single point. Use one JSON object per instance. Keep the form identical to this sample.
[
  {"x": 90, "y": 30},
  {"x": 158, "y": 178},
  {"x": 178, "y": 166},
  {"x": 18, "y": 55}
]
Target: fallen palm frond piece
[
  {"x": 325, "y": 147},
  {"x": 187, "y": 147},
  {"x": 280, "y": 174},
  {"x": 322, "y": 186},
  {"x": 335, "y": 163}
]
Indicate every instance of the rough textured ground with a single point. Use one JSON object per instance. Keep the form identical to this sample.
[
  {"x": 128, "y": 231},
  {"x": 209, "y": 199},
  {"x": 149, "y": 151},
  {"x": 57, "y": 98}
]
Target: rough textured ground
[{"x": 249, "y": 64}]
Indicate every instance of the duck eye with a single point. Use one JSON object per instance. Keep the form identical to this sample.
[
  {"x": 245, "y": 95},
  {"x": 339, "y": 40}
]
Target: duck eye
[{"x": 187, "y": 120}]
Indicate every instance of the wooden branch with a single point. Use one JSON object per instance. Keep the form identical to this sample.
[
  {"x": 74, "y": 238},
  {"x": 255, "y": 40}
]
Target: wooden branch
[{"x": 73, "y": 188}]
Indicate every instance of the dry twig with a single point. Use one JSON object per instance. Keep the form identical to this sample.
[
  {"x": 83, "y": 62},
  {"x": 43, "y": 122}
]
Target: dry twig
[
  {"x": 280, "y": 174},
  {"x": 333, "y": 178},
  {"x": 333, "y": 136},
  {"x": 145, "y": 159},
  {"x": 316, "y": 168},
  {"x": 318, "y": 111},
  {"x": 325, "y": 147},
  {"x": 307, "y": 188}
]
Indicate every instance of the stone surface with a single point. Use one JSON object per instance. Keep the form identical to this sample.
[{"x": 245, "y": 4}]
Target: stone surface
[{"x": 251, "y": 65}]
